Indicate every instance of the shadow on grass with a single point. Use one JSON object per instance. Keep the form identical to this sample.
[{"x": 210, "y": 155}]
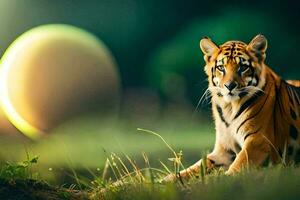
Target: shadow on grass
[{"x": 28, "y": 189}]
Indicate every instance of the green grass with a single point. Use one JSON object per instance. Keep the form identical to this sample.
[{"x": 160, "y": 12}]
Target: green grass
[
  {"x": 21, "y": 170},
  {"x": 19, "y": 181},
  {"x": 274, "y": 182},
  {"x": 83, "y": 145},
  {"x": 113, "y": 160},
  {"x": 269, "y": 183},
  {"x": 128, "y": 180}
]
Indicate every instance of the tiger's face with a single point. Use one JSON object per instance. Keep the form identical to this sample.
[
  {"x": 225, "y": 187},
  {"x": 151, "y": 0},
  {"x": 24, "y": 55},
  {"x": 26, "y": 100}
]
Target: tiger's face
[{"x": 234, "y": 68}]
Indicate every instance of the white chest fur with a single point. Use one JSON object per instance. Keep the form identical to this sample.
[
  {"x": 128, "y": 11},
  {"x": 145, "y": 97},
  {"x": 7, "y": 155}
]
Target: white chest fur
[
  {"x": 226, "y": 128},
  {"x": 228, "y": 137}
]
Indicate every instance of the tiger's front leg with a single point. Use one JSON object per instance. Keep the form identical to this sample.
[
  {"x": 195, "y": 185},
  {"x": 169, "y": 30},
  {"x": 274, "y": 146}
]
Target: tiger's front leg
[
  {"x": 219, "y": 157},
  {"x": 254, "y": 151},
  {"x": 192, "y": 171}
]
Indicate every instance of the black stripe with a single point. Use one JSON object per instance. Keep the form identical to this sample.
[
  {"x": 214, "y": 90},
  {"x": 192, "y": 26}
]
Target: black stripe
[
  {"x": 242, "y": 94},
  {"x": 232, "y": 154},
  {"x": 212, "y": 76},
  {"x": 224, "y": 71},
  {"x": 251, "y": 133},
  {"x": 251, "y": 66},
  {"x": 250, "y": 82},
  {"x": 277, "y": 98},
  {"x": 253, "y": 75},
  {"x": 219, "y": 109},
  {"x": 260, "y": 109},
  {"x": 248, "y": 103},
  {"x": 252, "y": 70},
  {"x": 293, "y": 90},
  {"x": 293, "y": 114},
  {"x": 293, "y": 132},
  {"x": 231, "y": 50},
  {"x": 237, "y": 147}
]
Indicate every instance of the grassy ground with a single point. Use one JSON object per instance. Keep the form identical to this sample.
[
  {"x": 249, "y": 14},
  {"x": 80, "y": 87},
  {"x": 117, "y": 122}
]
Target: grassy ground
[
  {"x": 83, "y": 145},
  {"x": 273, "y": 182},
  {"x": 31, "y": 189},
  {"x": 269, "y": 183},
  {"x": 89, "y": 159}
]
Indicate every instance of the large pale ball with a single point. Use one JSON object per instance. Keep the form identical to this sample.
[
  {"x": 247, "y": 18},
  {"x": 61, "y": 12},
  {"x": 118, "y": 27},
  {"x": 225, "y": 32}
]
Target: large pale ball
[{"x": 54, "y": 72}]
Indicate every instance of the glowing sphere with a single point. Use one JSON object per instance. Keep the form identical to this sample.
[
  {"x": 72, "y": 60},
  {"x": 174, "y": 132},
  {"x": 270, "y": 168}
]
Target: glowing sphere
[{"x": 54, "y": 72}]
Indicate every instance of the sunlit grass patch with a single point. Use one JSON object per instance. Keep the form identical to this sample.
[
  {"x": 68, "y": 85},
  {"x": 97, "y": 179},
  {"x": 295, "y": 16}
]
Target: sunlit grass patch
[
  {"x": 131, "y": 165},
  {"x": 273, "y": 182},
  {"x": 134, "y": 182},
  {"x": 122, "y": 177}
]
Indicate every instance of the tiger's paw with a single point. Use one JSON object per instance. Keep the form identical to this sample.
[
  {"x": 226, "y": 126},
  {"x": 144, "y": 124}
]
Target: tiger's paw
[
  {"x": 231, "y": 171},
  {"x": 170, "y": 178}
]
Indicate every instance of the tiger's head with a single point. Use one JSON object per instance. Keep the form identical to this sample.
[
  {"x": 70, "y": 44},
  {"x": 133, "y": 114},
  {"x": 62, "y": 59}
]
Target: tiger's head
[{"x": 234, "y": 68}]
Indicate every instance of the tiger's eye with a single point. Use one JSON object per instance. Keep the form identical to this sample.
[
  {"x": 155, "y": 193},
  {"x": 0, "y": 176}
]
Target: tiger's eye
[
  {"x": 243, "y": 68},
  {"x": 221, "y": 68}
]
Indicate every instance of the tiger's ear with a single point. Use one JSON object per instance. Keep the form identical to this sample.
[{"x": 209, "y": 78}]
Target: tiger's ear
[
  {"x": 258, "y": 47},
  {"x": 208, "y": 47}
]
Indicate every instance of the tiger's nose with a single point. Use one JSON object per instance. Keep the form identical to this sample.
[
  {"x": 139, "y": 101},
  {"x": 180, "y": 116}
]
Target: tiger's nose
[{"x": 231, "y": 85}]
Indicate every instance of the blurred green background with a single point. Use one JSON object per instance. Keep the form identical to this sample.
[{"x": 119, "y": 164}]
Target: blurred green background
[
  {"x": 157, "y": 41},
  {"x": 156, "y": 46}
]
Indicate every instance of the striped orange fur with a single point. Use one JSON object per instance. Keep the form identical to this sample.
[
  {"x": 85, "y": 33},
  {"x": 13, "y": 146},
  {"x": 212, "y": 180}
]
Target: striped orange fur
[{"x": 256, "y": 113}]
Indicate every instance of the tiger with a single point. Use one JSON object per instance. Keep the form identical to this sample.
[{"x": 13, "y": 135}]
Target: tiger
[{"x": 256, "y": 113}]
